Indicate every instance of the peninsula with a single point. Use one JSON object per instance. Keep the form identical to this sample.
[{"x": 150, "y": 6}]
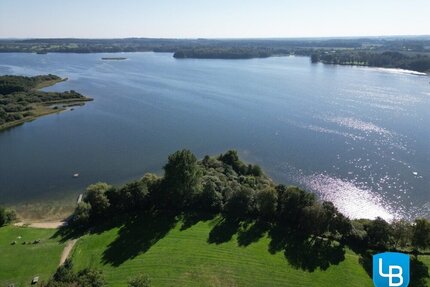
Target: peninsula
[{"x": 21, "y": 99}]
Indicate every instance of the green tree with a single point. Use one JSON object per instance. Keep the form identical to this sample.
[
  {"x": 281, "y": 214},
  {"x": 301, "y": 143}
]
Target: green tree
[
  {"x": 379, "y": 233},
  {"x": 337, "y": 222},
  {"x": 291, "y": 202},
  {"x": 210, "y": 199},
  {"x": 6, "y": 216},
  {"x": 402, "y": 230},
  {"x": 133, "y": 196},
  {"x": 81, "y": 216},
  {"x": 182, "y": 178},
  {"x": 240, "y": 204},
  {"x": 65, "y": 273},
  {"x": 96, "y": 197},
  {"x": 421, "y": 234},
  {"x": 2, "y": 216},
  {"x": 231, "y": 158},
  {"x": 91, "y": 278},
  {"x": 266, "y": 203}
]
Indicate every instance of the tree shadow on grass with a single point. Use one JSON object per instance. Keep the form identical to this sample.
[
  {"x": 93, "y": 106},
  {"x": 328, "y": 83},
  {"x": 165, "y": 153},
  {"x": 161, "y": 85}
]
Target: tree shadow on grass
[
  {"x": 252, "y": 232},
  {"x": 137, "y": 236},
  {"x": 190, "y": 219},
  {"x": 305, "y": 252},
  {"x": 419, "y": 272},
  {"x": 223, "y": 231},
  {"x": 313, "y": 253},
  {"x": 74, "y": 231}
]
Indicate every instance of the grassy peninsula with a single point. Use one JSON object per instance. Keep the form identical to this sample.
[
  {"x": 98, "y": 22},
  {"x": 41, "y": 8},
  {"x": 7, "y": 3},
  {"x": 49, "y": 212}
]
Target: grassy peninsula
[{"x": 21, "y": 99}]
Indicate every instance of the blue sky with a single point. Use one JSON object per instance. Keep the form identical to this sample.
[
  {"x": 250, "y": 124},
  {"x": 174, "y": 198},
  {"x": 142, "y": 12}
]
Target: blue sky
[{"x": 212, "y": 19}]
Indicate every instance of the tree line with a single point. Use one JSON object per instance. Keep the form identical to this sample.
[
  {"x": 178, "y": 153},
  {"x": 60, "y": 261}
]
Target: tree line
[
  {"x": 388, "y": 59},
  {"x": 226, "y": 186},
  {"x": 18, "y": 96}
]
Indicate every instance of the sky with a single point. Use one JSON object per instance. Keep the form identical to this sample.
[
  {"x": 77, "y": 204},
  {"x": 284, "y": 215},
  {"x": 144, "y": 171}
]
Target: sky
[{"x": 212, "y": 18}]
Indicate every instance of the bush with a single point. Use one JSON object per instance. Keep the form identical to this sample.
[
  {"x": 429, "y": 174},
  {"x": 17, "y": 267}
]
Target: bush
[
  {"x": 7, "y": 216},
  {"x": 139, "y": 281}
]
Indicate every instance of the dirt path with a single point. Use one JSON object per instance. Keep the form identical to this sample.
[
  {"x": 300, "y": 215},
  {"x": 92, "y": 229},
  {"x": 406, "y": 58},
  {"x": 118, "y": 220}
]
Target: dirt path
[
  {"x": 66, "y": 251},
  {"x": 51, "y": 224}
]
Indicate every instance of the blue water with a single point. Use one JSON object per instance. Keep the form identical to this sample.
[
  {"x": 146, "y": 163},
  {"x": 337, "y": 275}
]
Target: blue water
[{"x": 357, "y": 136}]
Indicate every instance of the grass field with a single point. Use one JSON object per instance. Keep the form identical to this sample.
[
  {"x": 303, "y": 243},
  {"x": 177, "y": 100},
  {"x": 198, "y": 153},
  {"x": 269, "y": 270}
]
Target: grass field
[
  {"x": 20, "y": 263},
  {"x": 185, "y": 258},
  {"x": 170, "y": 255}
]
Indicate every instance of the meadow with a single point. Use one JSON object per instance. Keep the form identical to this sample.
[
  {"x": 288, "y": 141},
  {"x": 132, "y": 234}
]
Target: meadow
[
  {"x": 19, "y": 262},
  {"x": 190, "y": 257}
]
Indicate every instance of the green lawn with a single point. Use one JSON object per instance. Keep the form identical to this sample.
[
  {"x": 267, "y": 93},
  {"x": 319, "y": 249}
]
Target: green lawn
[
  {"x": 185, "y": 258},
  {"x": 19, "y": 263}
]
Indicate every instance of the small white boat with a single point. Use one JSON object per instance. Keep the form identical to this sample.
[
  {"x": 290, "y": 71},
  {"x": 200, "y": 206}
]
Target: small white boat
[{"x": 76, "y": 175}]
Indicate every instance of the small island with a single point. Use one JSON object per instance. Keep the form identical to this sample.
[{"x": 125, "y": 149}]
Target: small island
[
  {"x": 113, "y": 58},
  {"x": 21, "y": 99}
]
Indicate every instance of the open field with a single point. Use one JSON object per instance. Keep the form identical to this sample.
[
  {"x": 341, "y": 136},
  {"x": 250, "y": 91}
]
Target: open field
[
  {"x": 182, "y": 256},
  {"x": 185, "y": 258},
  {"x": 20, "y": 263}
]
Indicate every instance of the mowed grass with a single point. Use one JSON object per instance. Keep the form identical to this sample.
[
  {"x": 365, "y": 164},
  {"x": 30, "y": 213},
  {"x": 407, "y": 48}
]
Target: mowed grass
[
  {"x": 20, "y": 263},
  {"x": 185, "y": 258}
]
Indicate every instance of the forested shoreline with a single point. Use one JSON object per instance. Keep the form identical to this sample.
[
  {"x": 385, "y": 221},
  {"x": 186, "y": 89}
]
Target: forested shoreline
[
  {"x": 412, "y": 53},
  {"x": 239, "y": 195},
  {"x": 21, "y": 100}
]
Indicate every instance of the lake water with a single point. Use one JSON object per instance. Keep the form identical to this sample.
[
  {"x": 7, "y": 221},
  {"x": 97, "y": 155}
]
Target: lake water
[{"x": 359, "y": 137}]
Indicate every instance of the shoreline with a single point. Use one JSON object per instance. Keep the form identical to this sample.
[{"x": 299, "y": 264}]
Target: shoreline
[
  {"x": 412, "y": 72},
  {"x": 44, "y": 109}
]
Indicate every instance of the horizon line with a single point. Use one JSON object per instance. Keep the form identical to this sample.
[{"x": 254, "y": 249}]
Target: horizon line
[{"x": 219, "y": 38}]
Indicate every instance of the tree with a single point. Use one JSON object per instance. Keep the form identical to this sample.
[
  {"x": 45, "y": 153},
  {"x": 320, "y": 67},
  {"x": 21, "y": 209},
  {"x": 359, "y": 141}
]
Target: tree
[
  {"x": 182, "y": 177},
  {"x": 210, "y": 199},
  {"x": 337, "y": 222},
  {"x": 421, "y": 234},
  {"x": 378, "y": 233},
  {"x": 65, "y": 273},
  {"x": 133, "y": 196},
  {"x": 402, "y": 230},
  {"x": 6, "y": 216},
  {"x": 140, "y": 280},
  {"x": 231, "y": 158},
  {"x": 254, "y": 170},
  {"x": 291, "y": 202},
  {"x": 2, "y": 216},
  {"x": 81, "y": 216},
  {"x": 96, "y": 197},
  {"x": 313, "y": 220},
  {"x": 266, "y": 203},
  {"x": 320, "y": 218},
  {"x": 66, "y": 277},
  {"x": 240, "y": 204},
  {"x": 91, "y": 278}
]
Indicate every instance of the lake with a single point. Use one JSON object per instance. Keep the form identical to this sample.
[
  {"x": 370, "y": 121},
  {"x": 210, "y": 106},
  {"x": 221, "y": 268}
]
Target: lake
[{"x": 357, "y": 136}]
